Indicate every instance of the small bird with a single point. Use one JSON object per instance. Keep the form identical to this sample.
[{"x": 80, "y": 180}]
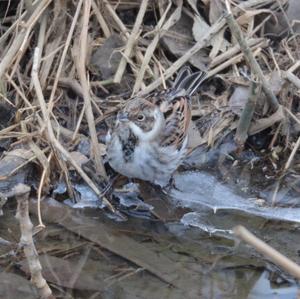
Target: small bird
[{"x": 149, "y": 139}]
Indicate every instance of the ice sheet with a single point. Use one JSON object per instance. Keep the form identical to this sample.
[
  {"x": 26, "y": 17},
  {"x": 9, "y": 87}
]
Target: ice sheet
[{"x": 201, "y": 190}]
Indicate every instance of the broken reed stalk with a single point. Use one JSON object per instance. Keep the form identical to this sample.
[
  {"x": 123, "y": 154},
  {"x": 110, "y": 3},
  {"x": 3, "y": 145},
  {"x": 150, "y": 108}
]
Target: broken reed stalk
[
  {"x": 238, "y": 34},
  {"x": 59, "y": 149},
  {"x": 26, "y": 242},
  {"x": 131, "y": 41},
  {"x": 268, "y": 251},
  {"x": 81, "y": 70},
  {"x": 247, "y": 113}
]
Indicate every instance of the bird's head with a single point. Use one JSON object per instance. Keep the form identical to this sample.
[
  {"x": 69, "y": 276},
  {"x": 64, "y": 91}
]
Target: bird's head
[{"x": 144, "y": 119}]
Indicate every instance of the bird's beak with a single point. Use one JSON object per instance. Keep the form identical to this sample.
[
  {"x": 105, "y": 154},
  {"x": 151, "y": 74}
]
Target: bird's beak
[{"x": 122, "y": 116}]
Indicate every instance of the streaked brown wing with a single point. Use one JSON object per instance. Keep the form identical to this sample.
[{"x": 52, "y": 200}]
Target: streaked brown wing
[
  {"x": 174, "y": 103},
  {"x": 177, "y": 114},
  {"x": 178, "y": 117}
]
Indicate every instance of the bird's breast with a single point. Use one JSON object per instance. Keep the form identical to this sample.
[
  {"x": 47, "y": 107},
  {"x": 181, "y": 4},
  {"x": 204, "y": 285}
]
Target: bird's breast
[{"x": 145, "y": 160}]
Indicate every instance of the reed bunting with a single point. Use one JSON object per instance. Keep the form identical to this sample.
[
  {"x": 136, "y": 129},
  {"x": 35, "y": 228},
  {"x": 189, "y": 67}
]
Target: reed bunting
[{"x": 149, "y": 140}]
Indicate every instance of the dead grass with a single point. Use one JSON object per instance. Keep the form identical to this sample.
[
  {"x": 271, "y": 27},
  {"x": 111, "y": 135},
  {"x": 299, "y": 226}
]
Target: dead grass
[{"x": 61, "y": 95}]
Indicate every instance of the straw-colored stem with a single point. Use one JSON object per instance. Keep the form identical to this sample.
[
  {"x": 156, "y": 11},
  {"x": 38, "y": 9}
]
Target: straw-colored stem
[
  {"x": 131, "y": 41},
  {"x": 268, "y": 251}
]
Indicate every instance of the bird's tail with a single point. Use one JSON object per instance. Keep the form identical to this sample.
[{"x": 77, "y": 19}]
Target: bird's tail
[{"x": 188, "y": 81}]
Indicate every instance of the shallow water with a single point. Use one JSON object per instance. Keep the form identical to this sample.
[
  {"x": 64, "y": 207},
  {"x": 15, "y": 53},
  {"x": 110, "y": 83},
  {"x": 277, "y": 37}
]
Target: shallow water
[{"x": 188, "y": 251}]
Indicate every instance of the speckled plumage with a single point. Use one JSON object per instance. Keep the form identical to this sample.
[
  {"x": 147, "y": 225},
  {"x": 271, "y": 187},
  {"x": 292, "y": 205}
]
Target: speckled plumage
[{"x": 149, "y": 139}]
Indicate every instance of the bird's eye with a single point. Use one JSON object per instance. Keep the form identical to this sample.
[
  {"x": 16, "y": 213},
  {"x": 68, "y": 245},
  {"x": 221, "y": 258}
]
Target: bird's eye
[{"x": 141, "y": 117}]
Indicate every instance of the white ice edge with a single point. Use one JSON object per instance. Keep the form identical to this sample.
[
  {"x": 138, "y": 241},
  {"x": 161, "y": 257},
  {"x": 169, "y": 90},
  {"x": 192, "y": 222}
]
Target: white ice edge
[{"x": 208, "y": 192}]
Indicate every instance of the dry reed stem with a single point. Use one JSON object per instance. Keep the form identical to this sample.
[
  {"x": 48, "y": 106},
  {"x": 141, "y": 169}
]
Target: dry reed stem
[
  {"x": 238, "y": 34},
  {"x": 160, "y": 68},
  {"x": 72, "y": 84},
  {"x": 289, "y": 161},
  {"x": 64, "y": 53},
  {"x": 15, "y": 170},
  {"x": 50, "y": 63},
  {"x": 292, "y": 115},
  {"x": 41, "y": 185},
  {"x": 215, "y": 28},
  {"x": 5, "y": 99},
  {"x": 101, "y": 20},
  {"x": 292, "y": 78},
  {"x": 41, "y": 39},
  {"x": 125, "y": 32},
  {"x": 5, "y": 35},
  {"x": 17, "y": 45},
  {"x": 80, "y": 117},
  {"x": 81, "y": 70},
  {"x": 236, "y": 49},
  {"x": 11, "y": 53},
  {"x": 131, "y": 41},
  {"x": 116, "y": 18},
  {"x": 26, "y": 241},
  {"x": 232, "y": 61},
  {"x": 42, "y": 33},
  {"x": 36, "y": 14},
  {"x": 247, "y": 5},
  {"x": 20, "y": 53},
  {"x": 63, "y": 153},
  {"x": 246, "y": 116},
  {"x": 294, "y": 66},
  {"x": 34, "y": 18},
  {"x": 40, "y": 155},
  {"x": 160, "y": 29},
  {"x": 292, "y": 155},
  {"x": 291, "y": 29},
  {"x": 268, "y": 251}
]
